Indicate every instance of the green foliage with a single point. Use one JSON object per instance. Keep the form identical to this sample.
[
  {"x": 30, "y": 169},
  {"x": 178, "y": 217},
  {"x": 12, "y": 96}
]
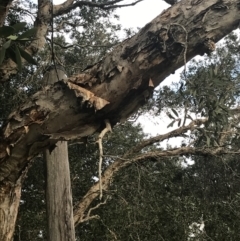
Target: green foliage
[
  {"x": 209, "y": 89},
  {"x": 13, "y": 37},
  {"x": 156, "y": 199}
]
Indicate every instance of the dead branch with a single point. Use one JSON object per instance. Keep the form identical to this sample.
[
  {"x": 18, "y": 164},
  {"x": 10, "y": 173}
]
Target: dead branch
[
  {"x": 100, "y": 137},
  {"x": 69, "y": 5}
]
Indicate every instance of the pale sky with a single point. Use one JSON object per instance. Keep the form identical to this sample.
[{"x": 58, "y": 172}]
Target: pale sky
[{"x": 141, "y": 14}]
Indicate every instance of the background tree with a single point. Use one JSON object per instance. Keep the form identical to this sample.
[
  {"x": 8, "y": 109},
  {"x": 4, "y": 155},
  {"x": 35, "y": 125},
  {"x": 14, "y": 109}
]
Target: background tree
[
  {"x": 110, "y": 90},
  {"x": 163, "y": 197}
]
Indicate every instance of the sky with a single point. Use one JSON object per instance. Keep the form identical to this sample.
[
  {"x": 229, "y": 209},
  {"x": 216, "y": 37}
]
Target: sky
[{"x": 141, "y": 14}]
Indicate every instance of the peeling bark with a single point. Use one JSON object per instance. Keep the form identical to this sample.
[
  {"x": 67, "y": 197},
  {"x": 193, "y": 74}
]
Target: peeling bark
[
  {"x": 115, "y": 87},
  {"x": 9, "y": 203}
]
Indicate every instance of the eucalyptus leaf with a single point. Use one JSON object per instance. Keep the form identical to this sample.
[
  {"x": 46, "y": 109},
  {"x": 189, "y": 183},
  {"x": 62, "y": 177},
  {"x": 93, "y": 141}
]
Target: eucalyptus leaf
[
  {"x": 171, "y": 124},
  {"x": 12, "y": 37},
  {"x": 179, "y": 122},
  {"x": 18, "y": 58},
  {"x": 11, "y": 54},
  {"x": 7, "y": 44},
  {"x": 2, "y": 54},
  {"x": 170, "y": 116},
  {"x": 27, "y": 56},
  {"x": 26, "y": 39},
  {"x": 208, "y": 141},
  {"x": 5, "y": 31},
  {"x": 175, "y": 112},
  {"x": 19, "y": 26}
]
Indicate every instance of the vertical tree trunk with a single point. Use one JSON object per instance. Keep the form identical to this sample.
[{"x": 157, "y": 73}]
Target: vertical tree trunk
[
  {"x": 9, "y": 203},
  {"x": 58, "y": 184},
  {"x": 59, "y": 195}
]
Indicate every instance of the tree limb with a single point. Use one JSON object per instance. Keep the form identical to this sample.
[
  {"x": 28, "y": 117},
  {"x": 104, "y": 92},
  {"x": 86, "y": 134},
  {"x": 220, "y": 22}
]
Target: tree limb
[
  {"x": 4, "y": 8},
  {"x": 115, "y": 87},
  {"x": 42, "y": 22},
  {"x": 119, "y": 163},
  {"x": 69, "y": 5},
  {"x": 160, "y": 138},
  {"x": 126, "y": 160}
]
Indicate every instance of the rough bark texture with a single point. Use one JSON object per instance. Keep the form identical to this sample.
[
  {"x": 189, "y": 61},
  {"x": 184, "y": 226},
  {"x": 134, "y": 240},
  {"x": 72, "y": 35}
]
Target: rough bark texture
[
  {"x": 59, "y": 195},
  {"x": 58, "y": 192},
  {"x": 9, "y": 203},
  {"x": 42, "y": 23},
  {"x": 115, "y": 87},
  {"x": 118, "y": 85},
  {"x": 4, "y": 8}
]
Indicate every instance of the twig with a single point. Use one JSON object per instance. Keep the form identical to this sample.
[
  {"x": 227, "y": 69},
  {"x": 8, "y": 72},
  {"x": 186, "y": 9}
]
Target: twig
[
  {"x": 89, "y": 217},
  {"x": 100, "y": 137},
  {"x": 185, "y": 45}
]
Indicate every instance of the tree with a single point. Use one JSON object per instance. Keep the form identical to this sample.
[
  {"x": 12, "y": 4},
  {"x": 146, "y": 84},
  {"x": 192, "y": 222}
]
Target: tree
[
  {"x": 58, "y": 185},
  {"x": 110, "y": 90}
]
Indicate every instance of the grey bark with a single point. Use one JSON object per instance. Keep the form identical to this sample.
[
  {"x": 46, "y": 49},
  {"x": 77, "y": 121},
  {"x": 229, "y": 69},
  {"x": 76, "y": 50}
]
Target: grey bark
[
  {"x": 59, "y": 195},
  {"x": 58, "y": 184}
]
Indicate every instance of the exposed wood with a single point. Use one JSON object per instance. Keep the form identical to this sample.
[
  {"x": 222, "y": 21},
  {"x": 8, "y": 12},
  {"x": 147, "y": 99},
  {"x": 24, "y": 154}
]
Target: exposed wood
[
  {"x": 9, "y": 203},
  {"x": 59, "y": 194},
  {"x": 112, "y": 89}
]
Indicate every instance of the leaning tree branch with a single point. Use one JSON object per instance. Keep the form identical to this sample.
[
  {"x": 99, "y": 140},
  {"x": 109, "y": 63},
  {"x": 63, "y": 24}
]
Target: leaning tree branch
[
  {"x": 69, "y": 5},
  {"x": 160, "y": 138},
  {"x": 119, "y": 163}
]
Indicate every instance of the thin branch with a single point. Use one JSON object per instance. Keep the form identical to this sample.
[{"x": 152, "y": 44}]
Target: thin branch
[
  {"x": 100, "y": 137},
  {"x": 69, "y": 5},
  {"x": 118, "y": 164},
  {"x": 89, "y": 217},
  {"x": 159, "y": 138},
  {"x": 80, "y": 46}
]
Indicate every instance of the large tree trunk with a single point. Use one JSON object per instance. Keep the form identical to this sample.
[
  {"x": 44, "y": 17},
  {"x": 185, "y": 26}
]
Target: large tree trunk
[
  {"x": 9, "y": 203},
  {"x": 59, "y": 195}
]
